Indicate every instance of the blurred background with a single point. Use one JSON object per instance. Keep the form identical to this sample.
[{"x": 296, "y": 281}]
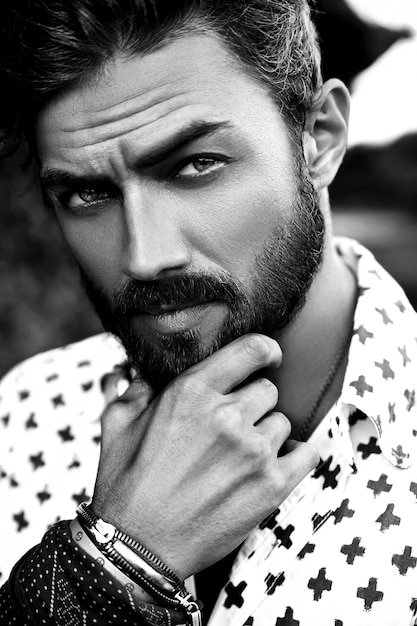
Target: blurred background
[{"x": 372, "y": 46}]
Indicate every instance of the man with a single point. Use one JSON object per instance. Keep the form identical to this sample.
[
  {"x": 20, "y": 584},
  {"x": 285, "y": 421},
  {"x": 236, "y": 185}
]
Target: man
[{"x": 187, "y": 151}]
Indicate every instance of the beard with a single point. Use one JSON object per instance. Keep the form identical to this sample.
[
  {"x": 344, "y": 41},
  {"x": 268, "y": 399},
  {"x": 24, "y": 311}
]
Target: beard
[{"x": 282, "y": 275}]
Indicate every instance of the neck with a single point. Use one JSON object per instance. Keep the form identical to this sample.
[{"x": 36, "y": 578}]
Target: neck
[{"x": 313, "y": 342}]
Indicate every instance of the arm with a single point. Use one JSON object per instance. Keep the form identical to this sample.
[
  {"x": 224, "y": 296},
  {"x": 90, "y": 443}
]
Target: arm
[
  {"x": 176, "y": 471},
  {"x": 59, "y": 583}
]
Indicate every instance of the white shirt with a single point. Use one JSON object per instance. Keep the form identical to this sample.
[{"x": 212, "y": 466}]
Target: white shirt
[{"x": 340, "y": 551}]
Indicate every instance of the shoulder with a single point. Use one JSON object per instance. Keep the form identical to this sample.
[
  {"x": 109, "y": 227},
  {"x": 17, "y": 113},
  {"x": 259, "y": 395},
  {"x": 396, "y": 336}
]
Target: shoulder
[
  {"x": 103, "y": 349},
  {"x": 50, "y": 407},
  {"x": 381, "y": 375},
  {"x": 59, "y": 380}
]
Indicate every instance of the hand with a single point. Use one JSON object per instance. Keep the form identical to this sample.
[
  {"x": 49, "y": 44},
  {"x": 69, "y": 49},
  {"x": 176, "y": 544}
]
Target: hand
[{"x": 191, "y": 472}]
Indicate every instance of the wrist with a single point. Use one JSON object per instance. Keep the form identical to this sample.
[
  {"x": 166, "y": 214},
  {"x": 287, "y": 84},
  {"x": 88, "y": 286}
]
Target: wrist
[
  {"x": 83, "y": 541},
  {"x": 138, "y": 563}
]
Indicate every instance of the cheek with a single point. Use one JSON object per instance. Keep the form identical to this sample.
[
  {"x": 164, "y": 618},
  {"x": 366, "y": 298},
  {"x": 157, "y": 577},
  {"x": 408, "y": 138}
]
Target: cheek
[
  {"x": 97, "y": 248},
  {"x": 232, "y": 228}
]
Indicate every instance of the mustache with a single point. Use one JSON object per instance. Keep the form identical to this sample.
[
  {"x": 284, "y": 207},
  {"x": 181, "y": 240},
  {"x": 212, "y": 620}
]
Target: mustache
[{"x": 139, "y": 296}]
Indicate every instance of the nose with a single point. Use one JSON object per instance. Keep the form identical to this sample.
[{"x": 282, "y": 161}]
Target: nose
[{"x": 154, "y": 244}]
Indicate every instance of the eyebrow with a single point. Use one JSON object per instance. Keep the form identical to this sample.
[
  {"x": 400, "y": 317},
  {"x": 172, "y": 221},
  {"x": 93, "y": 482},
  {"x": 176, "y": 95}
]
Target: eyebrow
[{"x": 54, "y": 177}]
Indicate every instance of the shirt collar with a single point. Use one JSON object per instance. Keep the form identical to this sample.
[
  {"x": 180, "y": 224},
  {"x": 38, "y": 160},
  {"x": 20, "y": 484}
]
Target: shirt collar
[{"x": 380, "y": 377}]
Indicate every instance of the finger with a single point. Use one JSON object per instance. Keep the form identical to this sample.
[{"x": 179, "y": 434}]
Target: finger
[
  {"x": 276, "y": 427},
  {"x": 127, "y": 408},
  {"x": 227, "y": 368},
  {"x": 295, "y": 465},
  {"x": 110, "y": 386},
  {"x": 255, "y": 399},
  {"x": 291, "y": 445},
  {"x": 139, "y": 393}
]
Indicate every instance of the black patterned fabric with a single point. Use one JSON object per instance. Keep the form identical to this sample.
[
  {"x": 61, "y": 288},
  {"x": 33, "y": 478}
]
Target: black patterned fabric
[{"x": 57, "y": 583}]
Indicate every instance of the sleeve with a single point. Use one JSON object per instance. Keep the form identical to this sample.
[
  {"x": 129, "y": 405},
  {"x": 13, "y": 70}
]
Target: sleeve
[{"x": 57, "y": 583}]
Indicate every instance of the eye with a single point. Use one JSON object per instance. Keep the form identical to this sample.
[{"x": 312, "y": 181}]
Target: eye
[
  {"x": 87, "y": 196},
  {"x": 85, "y": 201},
  {"x": 201, "y": 166}
]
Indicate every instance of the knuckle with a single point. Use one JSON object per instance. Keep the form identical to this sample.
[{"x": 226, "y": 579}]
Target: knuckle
[
  {"x": 262, "y": 449},
  {"x": 268, "y": 387},
  {"x": 227, "y": 423},
  {"x": 257, "y": 451},
  {"x": 257, "y": 347},
  {"x": 225, "y": 417},
  {"x": 285, "y": 425},
  {"x": 275, "y": 482}
]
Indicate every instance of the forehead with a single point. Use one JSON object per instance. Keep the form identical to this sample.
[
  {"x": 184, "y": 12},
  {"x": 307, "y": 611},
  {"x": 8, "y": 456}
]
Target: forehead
[{"x": 150, "y": 96}]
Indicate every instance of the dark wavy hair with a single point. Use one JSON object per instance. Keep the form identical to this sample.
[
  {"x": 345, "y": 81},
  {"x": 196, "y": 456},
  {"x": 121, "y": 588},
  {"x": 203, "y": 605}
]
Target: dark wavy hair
[{"x": 48, "y": 45}]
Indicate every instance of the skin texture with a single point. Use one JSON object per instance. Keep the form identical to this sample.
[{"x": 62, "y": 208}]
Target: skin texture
[{"x": 185, "y": 463}]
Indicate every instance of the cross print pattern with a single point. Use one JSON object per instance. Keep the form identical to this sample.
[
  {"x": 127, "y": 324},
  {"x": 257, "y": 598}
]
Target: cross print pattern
[
  {"x": 320, "y": 584},
  {"x": 272, "y": 582},
  {"x": 380, "y": 485},
  {"x": 369, "y": 448},
  {"x": 341, "y": 550},
  {"x": 55, "y": 403},
  {"x": 370, "y": 594},
  {"x": 283, "y": 535},
  {"x": 234, "y": 594},
  {"x": 342, "y": 567},
  {"x": 353, "y": 550},
  {"x": 404, "y": 561}
]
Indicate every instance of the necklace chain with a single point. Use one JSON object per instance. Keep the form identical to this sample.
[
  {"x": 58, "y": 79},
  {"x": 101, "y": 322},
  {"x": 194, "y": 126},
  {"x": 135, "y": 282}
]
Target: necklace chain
[{"x": 334, "y": 368}]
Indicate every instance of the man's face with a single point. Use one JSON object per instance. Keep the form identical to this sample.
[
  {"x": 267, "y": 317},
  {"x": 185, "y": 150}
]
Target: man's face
[{"x": 184, "y": 202}]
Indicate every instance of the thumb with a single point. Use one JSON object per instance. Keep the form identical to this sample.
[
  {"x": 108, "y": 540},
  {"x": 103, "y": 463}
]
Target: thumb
[
  {"x": 139, "y": 393},
  {"x": 123, "y": 411}
]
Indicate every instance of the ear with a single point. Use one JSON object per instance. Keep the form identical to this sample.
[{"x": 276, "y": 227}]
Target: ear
[{"x": 325, "y": 136}]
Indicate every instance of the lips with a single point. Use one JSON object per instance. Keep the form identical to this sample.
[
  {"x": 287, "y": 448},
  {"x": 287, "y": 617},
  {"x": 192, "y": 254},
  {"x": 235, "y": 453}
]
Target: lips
[
  {"x": 163, "y": 309},
  {"x": 170, "y": 319}
]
